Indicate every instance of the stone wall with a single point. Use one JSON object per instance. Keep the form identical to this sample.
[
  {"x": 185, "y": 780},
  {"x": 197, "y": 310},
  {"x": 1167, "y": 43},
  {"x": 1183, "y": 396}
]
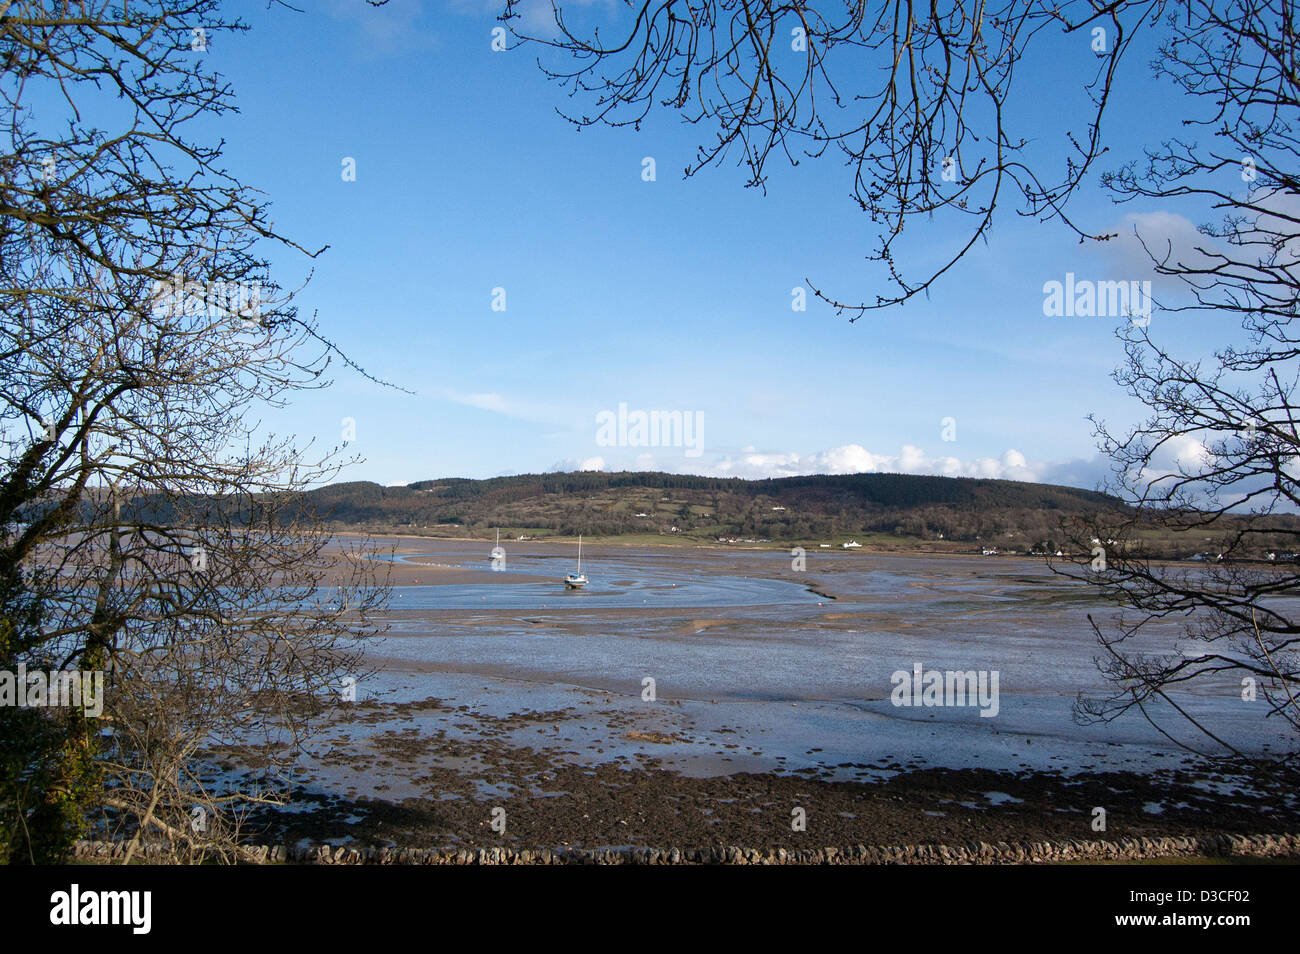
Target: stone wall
[{"x": 979, "y": 853}]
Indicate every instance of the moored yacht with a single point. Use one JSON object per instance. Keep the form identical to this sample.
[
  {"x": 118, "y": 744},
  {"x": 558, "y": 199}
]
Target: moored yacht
[{"x": 576, "y": 581}]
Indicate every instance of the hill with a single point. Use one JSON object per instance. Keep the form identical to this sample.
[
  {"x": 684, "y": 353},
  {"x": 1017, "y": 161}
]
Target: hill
[{"x": 788, "y": 509}]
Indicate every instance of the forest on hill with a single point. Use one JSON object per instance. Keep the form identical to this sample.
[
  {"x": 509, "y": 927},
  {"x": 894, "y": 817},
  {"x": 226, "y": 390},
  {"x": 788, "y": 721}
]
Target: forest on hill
[
  {"x": 882, "y": 510},
  {"x": 788, "y": 509}
]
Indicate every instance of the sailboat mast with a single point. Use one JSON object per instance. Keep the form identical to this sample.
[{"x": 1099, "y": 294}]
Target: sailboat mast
[{"x": 579, "y": 553}]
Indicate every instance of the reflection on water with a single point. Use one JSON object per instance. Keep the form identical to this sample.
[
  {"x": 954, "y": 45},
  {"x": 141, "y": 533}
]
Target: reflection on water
[{"x": 618, "y": 583}]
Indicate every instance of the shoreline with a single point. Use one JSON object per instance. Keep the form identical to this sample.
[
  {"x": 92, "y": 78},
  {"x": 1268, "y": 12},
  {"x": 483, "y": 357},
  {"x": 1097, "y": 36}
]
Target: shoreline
[
  {"x": 903, "y": 551},
  {"x": 610, "y": 805}
]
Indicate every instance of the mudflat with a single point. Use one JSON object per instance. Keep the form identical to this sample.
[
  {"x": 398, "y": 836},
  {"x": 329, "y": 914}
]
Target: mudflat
[{"x": 710, "y": 696}]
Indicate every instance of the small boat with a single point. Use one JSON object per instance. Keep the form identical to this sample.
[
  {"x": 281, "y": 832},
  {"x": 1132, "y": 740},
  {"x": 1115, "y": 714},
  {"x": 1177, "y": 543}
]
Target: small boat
[{"x": 576, "y": 581}]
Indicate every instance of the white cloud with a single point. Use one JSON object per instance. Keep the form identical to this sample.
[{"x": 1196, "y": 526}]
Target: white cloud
[
  {"x": 1163, "y": 236},
  {"x": 1178, "y": 457},
  {"x": 1176, "y": 241},
  {"x": 537, "y": 17},
  {"x": 856, "y": 459},
  {"x": 570, "y": 464},
  {"x": 752, "y": 464},
  {"x": 396, "y": 27},
  {"x": 488, "y": 402},
  {"x": 501, "y": 404}
]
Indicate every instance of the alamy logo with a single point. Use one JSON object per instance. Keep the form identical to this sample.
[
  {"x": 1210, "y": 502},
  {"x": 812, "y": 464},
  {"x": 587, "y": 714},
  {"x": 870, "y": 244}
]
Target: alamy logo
[
  {"x": 1087, "y": 299},
  {"x": 931, "y": 687},
  {"x": 102, "y": 907},
  {"x": 58, "y": 687},
  {"x": 651, "y": 429},
  {"x": 212, "y": 300}
]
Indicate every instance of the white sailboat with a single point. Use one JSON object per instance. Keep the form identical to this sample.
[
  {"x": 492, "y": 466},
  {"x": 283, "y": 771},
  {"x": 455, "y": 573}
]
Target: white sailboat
[{"x": 576, "y": 581}]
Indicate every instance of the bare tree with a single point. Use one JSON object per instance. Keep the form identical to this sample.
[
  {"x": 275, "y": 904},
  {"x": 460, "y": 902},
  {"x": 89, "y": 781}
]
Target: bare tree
[
  {"x": 154, "y": 528},
  {"x": 1216, "y": 461},
  {"x": 916, "y": 100}
]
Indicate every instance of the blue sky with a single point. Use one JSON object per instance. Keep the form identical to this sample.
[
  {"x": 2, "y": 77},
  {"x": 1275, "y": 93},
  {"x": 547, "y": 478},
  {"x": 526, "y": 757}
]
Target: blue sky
[{"x": 666, "y": 295}]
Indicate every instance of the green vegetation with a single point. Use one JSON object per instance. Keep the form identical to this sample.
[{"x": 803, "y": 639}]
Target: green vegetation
[{"x": 875, "y": 509}]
